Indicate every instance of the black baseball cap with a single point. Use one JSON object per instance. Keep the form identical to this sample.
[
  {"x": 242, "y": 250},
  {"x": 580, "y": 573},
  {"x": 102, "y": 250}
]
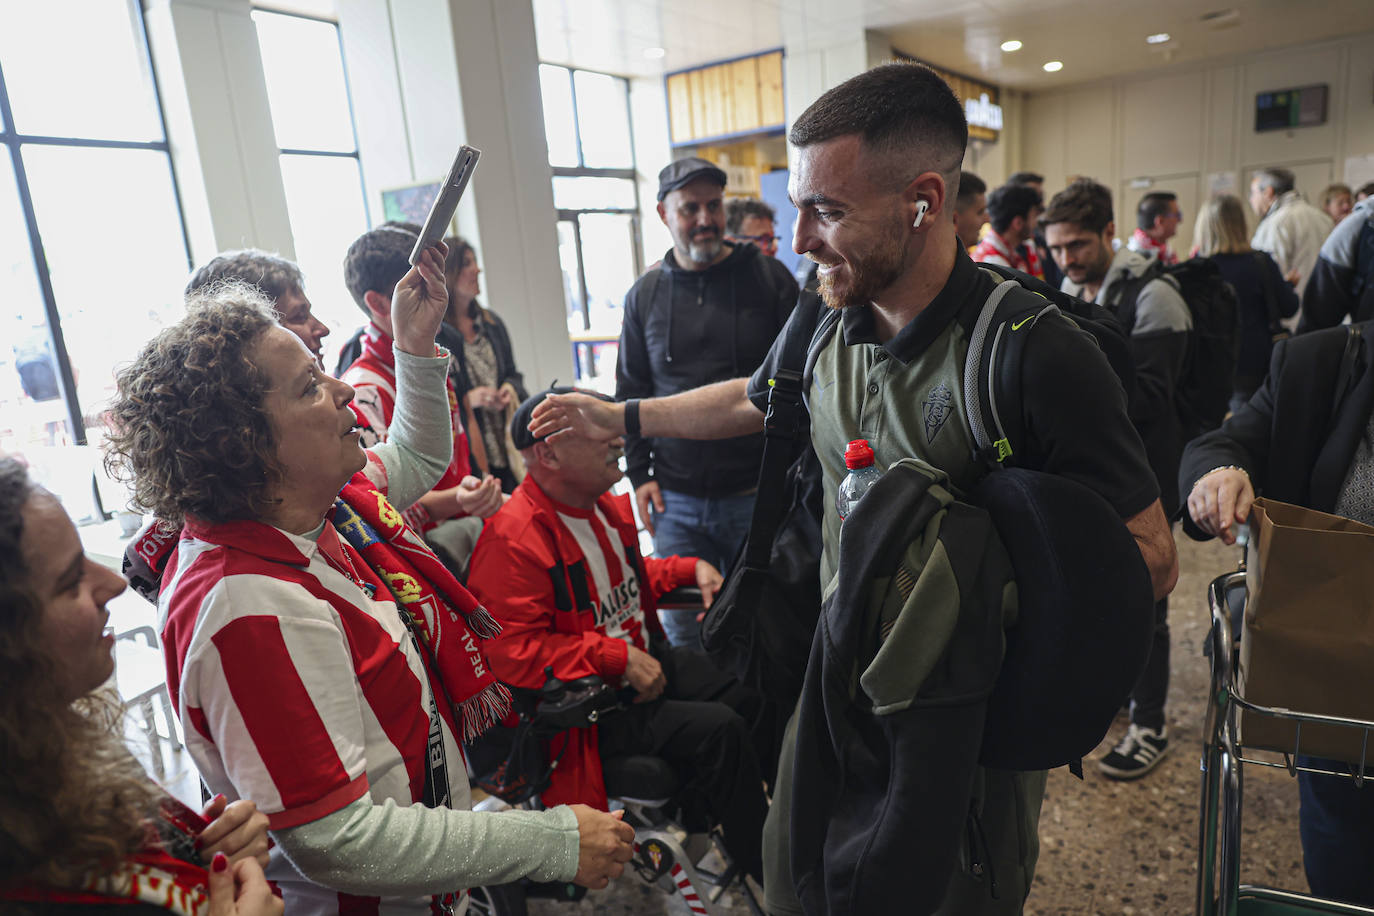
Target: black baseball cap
[
  {"x": 520, "y": 435},
  {"x": 684, "y": 171}
]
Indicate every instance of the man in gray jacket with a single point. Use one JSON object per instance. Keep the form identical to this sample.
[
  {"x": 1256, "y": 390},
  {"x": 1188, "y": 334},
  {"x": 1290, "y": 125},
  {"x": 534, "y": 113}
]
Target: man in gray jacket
[{"x": 1079, "y": 228}]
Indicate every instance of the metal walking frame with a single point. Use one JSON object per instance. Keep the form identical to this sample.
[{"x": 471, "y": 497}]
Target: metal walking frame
[{"x": 1219, "y": 891}]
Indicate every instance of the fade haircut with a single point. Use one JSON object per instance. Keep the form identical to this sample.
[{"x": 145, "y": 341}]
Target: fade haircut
[
  {"x": 271, "y": 273},
  {"x": 378, "y": 260},
  {"x": 1152, "y": 206},
  {"x": 904, "y": 113},
  {"x": 970, "y": 186},
  {"x": 1026, "y": 178},
  {"x": 1085, "y": 203},
  {"x": 1281, "y": 180},
  {"x": 1010, "y": 201},
  {"x": 737, "y": 210}
]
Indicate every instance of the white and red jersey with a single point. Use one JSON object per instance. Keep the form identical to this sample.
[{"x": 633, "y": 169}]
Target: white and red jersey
[
  {"x": 993, "y": 249},
  {"x": 297, "y": 690},
  {"x": 373, "y": 377},
  {"x": 571, "y": 592},
  {"x": 568, "y": 587}
]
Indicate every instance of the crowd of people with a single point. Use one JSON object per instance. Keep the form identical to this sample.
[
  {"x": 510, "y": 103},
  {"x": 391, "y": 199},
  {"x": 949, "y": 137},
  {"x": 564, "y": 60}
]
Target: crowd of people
[{"x": 354, "y": 571}]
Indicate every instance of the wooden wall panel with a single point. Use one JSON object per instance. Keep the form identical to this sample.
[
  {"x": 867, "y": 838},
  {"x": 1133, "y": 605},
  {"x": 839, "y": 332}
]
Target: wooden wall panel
[
  {"x": 697, "y": 89},
  {"x": 744, "y": 96},
  {"x": 770, "y": 90},
  {"x": 724, "y": 99},
  {"x": 679, "y": 107}
]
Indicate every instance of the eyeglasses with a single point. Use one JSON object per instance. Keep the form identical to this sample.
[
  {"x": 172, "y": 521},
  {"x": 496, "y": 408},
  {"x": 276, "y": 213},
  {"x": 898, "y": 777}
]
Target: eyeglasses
[{"x": 760, "y": 240}]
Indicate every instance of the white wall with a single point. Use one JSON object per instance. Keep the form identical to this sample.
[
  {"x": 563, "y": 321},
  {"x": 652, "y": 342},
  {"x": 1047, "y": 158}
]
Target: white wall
[
  {"x": 219, "y": 124},
  {"x": 415, "y": 103},
  {"x": 1188, "y": 129}
]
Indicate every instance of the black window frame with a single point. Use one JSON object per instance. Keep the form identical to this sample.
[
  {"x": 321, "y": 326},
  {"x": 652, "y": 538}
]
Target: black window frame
[
  {"x": 14, "y": 141},
  {"x": 582, "y": 170}
]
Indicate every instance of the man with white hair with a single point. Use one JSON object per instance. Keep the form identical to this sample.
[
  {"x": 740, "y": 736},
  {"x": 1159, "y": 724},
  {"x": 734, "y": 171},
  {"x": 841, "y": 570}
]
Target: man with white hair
[{"x": 1290, "y": 229}]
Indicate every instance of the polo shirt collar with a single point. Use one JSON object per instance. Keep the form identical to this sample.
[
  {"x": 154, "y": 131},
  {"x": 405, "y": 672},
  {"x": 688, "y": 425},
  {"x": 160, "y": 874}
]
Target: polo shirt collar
[{"x": 911, "y": 341}]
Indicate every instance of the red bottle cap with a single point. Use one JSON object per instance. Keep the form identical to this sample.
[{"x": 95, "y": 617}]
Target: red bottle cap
[{"x": 858, "y": 454}]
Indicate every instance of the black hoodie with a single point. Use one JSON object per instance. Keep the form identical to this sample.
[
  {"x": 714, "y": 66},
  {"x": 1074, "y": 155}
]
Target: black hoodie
[{"x": 687, "y": 328}]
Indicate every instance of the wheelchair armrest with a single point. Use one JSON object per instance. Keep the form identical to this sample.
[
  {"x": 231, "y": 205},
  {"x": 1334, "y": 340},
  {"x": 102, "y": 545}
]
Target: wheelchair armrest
[{"x": 684, "y": 597}]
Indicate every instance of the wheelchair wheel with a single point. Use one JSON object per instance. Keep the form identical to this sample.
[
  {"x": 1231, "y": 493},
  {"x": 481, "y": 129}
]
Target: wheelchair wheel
[{"x": 497, "y": 900}]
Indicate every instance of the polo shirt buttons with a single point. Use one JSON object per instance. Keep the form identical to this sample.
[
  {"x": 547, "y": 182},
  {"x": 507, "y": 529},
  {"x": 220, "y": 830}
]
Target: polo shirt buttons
[{"x": 873, "y": 388}]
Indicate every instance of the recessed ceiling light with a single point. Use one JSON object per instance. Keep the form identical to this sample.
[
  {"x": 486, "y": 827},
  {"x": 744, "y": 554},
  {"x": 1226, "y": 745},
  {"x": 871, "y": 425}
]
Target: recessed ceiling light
[
  {"x": 654, "y": 53},
  {"x": 1158, "y": 38},
  {"x": 1053, "y": 66},
  {"x": 1010, "y": 46}
]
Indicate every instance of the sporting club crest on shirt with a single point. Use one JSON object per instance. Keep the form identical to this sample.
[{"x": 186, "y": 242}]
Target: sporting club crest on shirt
[{"x": 936, "y": 408}]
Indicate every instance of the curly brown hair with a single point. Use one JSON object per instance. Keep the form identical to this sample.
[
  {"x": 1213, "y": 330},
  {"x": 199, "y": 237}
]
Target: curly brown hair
[
  {"x": 189, "y": 434},
  {"x": 73, "y": 802}
]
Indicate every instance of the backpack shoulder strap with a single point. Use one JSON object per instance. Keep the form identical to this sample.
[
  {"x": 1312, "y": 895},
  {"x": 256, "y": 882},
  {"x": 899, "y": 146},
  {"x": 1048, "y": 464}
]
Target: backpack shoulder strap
[
  {"x": 1131, "y": 288},
  {"x": 784, "y": 427},
  {"x": 992, "y": 369}
]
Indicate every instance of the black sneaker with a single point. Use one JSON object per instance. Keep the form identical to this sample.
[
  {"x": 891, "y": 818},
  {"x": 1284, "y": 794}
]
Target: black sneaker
[{"x": 1137, "y": 754}]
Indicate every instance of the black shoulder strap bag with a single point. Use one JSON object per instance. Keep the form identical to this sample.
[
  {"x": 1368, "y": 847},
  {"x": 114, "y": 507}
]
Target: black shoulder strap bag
[{"x": 760, "y": 625}]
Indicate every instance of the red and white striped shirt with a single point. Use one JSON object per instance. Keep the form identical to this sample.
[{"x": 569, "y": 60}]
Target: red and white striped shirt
[
  {"x": 993, "y": 249},
  {"x": 373, "y": 377},
  {"x": 297, "y": 690}
]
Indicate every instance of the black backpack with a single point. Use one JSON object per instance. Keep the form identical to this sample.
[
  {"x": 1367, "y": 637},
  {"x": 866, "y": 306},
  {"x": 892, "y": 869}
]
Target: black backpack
[
  {"x": 1203, "y": 394},
  {"x": 761, "y": 624},
  {"x": 992, "y": 369}
]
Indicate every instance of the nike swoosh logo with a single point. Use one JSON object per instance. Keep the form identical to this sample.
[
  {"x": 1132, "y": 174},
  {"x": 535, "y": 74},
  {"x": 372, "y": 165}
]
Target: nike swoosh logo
[{"x": 1016, "y": 326}]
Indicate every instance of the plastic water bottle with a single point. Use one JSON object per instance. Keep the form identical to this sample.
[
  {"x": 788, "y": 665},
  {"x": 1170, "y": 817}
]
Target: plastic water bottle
[{"x": 858, "y": 457}]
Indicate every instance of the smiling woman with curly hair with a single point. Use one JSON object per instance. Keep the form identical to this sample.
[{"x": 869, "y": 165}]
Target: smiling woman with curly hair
[{"x": 300, "y": 680}]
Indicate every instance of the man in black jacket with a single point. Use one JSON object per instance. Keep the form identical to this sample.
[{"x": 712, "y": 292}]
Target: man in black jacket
[
  {"x": 708, "y": 313},
  {"x": 1300, "y": 442},
  {"x": 1079, "y": 227}
]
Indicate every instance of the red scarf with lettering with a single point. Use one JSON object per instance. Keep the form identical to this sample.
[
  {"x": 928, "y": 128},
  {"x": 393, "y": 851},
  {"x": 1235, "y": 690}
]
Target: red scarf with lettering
[{"x": 444, "y": 615}]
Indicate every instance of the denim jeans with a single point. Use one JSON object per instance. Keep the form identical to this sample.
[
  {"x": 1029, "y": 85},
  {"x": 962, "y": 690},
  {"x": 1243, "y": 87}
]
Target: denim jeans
[
  {"x": 1336, "y": 823},
  {"x": 711, "y": 528}
]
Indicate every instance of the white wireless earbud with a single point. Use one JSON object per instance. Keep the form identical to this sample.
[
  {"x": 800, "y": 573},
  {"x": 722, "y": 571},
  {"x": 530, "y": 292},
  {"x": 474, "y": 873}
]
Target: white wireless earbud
[{"x": 921, "y": 208}]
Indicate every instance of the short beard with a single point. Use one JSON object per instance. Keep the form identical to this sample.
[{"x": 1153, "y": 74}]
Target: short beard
[
  {"x": 705, "y": 252},
  {"x": 879, "y": 270}
]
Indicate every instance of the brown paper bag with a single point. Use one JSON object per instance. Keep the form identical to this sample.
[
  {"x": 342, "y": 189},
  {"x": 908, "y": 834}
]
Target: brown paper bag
[{"x": 1308, "y": 639}]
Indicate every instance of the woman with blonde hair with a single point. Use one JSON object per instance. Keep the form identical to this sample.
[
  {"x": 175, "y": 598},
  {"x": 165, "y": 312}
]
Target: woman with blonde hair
[
  {"x": 81, "y": 826},
  {"x": 1263, "y": 297}
]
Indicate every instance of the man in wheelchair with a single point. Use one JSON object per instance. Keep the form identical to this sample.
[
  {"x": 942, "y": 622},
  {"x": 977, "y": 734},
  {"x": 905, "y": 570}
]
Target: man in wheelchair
[{"x": 559, "y": 566}]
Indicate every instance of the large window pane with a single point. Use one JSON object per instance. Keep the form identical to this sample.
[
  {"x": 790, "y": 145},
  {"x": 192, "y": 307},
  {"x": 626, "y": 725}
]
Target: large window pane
[
  {"x": 559, "y": 125},
  {"x": 589, "y": 193},
  {"x": 33, "y": 417},
  {"x": 324, "y": 198},
  {"x": 112, "y": 235},
  {"x": 98, "y": 86},
  {"x": 303, "y": 66},
  {"x": 608, "y": 259},
  {"x": 603, "y": 120}
]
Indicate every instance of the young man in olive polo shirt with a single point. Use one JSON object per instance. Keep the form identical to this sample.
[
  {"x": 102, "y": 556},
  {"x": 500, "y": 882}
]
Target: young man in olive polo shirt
[{"x": 877, "y": 173}]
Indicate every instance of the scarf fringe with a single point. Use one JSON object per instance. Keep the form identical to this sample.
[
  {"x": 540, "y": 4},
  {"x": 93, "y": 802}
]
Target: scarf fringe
[
  {"x": 485, "y": 709},
  {"x": 482, "y": 623}
]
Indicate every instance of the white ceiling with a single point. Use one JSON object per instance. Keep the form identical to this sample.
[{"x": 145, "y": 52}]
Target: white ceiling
[{"x": 1094, "y": 38}]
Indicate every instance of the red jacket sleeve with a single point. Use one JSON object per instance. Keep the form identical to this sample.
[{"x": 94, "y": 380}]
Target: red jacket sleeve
[
  {"x": 512, "y": 582},
  {"x": 667, "y": 573}
]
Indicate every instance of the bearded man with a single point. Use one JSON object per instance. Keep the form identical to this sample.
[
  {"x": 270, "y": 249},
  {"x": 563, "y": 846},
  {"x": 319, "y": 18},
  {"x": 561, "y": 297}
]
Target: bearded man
[
  {"x": 876, "y": 177},
  {"x": 709, "y": 312}
]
